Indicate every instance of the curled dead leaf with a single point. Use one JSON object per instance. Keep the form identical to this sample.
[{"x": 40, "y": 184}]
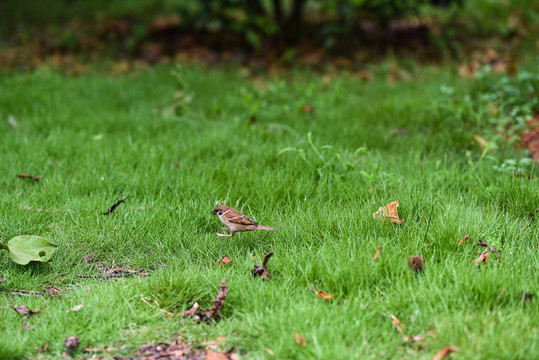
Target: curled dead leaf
[
  {"x": 72, "y": 342},
  {"x": 388, "y": 212},
  {"x": 192, "y": 310},
  {"x": 464, "y": 238},
  {"x": 23, "y": 310},
  {"x": 213, "y": 312},
  {"x": 442, "y": 354},
  {"x": 323, "y": 295},
  {"x": 482, "y": 258},
  {"x": 262, "y": 271},
  {"x": 398, "y": 325},
  {"x": 225, "y": 260},
  {"x": 300, "y": 340},
  {"x": 377, "y": 253}
]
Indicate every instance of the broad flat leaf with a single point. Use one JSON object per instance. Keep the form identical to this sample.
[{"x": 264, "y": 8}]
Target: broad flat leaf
[
  {"x": 388, "y": 212},
  {"x": 26, "y": 248}
]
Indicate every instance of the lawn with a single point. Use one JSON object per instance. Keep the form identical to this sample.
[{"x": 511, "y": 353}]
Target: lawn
[{"x": 177, "y": 140}]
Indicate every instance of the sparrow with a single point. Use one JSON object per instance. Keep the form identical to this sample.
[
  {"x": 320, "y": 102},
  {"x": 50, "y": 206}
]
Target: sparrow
[{"x": 236, "y": 221}]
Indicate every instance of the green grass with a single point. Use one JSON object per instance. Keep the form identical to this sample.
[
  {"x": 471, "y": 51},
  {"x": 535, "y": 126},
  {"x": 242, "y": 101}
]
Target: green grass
[{"x": 98, "y": 138}]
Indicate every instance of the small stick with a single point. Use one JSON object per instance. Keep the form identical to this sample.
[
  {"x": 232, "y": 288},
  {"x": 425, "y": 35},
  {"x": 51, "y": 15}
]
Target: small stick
[
  {"x": 22, "y": 292},
  {"x": 122, "y": 274},
  {"x": 113, "y": 207}
]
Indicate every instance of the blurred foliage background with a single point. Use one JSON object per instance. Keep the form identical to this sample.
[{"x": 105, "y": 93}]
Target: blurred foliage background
[{"x": 269, "y": 30}]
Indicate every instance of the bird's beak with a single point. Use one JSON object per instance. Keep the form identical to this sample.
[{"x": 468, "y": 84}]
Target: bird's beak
[{"x": 213, "y": 212}]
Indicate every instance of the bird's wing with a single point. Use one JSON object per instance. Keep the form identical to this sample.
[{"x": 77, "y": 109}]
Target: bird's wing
[{"x": 238, "y": 218}]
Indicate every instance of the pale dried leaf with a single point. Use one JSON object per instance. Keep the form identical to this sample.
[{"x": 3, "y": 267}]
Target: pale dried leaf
[
  {"x": 464, "y": 238},
  {"x": 323, "y": 295},
  {"x": 442, "y": 354},
  {"x": 300, "y": 340},
  {"x": 388, "y": 212},
  {"x": 377, "y": 253},
  {"x": 398, "y": 325},
  {"x": 192, "y": 310}
]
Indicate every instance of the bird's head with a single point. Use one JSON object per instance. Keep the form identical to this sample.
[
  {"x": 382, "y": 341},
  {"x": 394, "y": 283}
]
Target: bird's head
[{"x": 220, "y": 210}]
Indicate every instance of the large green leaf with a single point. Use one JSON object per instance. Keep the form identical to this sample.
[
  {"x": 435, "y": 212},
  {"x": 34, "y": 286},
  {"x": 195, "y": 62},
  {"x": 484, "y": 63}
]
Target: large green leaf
[{"x": 26, "y": 248}]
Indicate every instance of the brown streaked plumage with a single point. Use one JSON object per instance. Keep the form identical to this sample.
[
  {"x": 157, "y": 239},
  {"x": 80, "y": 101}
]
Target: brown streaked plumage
[{"x": 236, "y": 221}]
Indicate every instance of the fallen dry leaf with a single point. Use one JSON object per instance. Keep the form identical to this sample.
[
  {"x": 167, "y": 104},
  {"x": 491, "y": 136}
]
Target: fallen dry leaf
[
  {"x": 72, "y": 342},
  {"x": 23, "y": 310},
  {"x": 398, "y": 325},
  {"x": 213, "y": 312},
  {"x": 323, "y": 295},
  {"x": 192, "y": 310},
  {"x": 75, "y": 308},
  {"x": 388, "y": 212},
  {"x": 225, "y": 260},
  {"x": 3, "y": 279},
  {"x": 482, "y": 258},
  {"x": 377, "y": 253},
  {"x": 307, "y": 108},
  {"x": 212, "y": 355},
  {"x": 464, "y": 238},
  {"x": 26, "y": 326},
  {"x": 442, "y": 354},
  {"x": 416, "y": 263},
  {"x": 43, "y": 349},
  {"x": 262, "y": 271},
  {"x": 483, "y": 143},
  {"x": 487, "y": 245},
  {"x": 300, "y": 340}
]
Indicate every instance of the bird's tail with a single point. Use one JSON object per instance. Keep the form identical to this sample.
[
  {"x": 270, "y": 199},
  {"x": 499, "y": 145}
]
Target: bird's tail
[{"x": 262, "y": 227}]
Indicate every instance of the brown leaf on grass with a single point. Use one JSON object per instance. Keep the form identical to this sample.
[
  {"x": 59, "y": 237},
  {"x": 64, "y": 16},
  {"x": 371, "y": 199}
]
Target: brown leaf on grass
[
  {"x": 442, "y": 354},
  {"x": 300, "y": 340},
  {"x": 225, "y": 260},
  {"x": 43, "y": 349},
  {"x": 377, "y": 253},
  {"x": 213, "y": 355},
  {"x": 487, "y": 245},
  {"x": 192, "y": 310},
  {"x": 416, "y": 263},
  {"x": 482, "y": 258},
  {"x": 262, "y": 271},
  {"x": 323, "y": 295},
  {"x": 26, "y": 326},
  {"x": 388, "y": 212},
  {"x": 72, "y": 342},
  {"x": 23, "y": 310},
  {"x": 3, "y": 279},
  {"x": 213, "y": 312},
  {"x": 398, "y": 325},
  {"x": 307, "y": 108},
  {"x": 113, "y": 207},
  {"x": 464, "y": 238}
]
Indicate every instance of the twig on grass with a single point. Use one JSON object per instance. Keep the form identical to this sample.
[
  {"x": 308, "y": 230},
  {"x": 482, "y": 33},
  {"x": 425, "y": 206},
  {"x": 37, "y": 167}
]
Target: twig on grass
[{"x": 113, "y": 207}]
